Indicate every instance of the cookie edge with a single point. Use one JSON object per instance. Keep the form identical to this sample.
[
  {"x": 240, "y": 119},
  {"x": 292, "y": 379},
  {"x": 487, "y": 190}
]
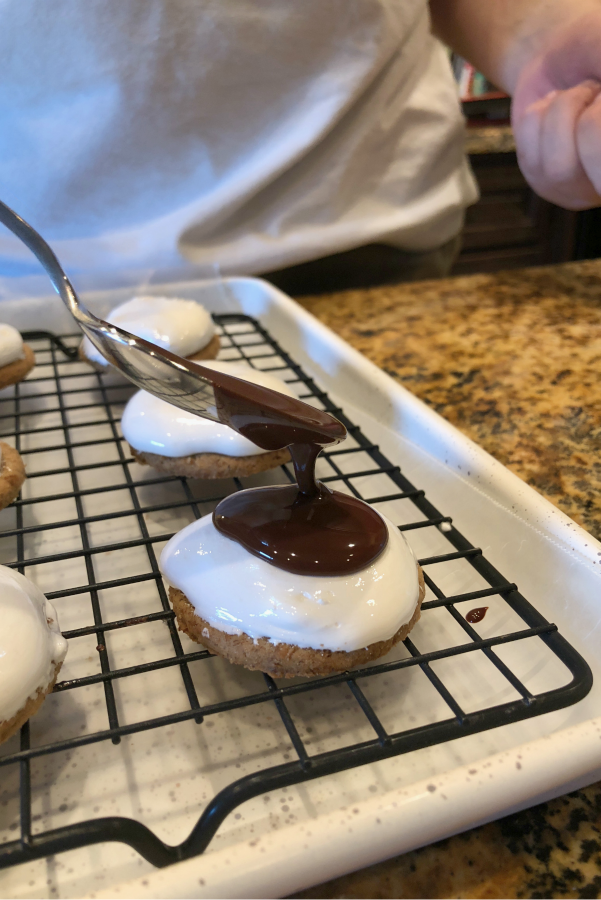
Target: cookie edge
[
  {"x": 212, "y": 465},
  {"x": 10, "y": 726},
  {"x": 284, "y": 660},
  {"x": 16, "y": 371},
  {"x": 12, "y": 474}
]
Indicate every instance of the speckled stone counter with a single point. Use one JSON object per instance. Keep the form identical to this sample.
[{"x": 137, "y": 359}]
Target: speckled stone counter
[{"x": 513, "y": 360}]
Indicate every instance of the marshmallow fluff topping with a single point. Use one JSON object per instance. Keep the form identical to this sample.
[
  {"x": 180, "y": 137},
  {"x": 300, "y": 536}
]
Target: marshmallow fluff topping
[
  {"x": 151, "y": 425},
  {"x": 11, "y": 345},
  {"x": 182, "y": 326},
  {"x": 238, "y": 593},
  {"x": 31, "y": 645}
]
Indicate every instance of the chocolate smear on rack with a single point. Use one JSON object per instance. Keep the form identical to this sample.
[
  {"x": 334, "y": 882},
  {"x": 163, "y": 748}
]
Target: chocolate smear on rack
[
  {"x": 476, "y": 615},
  {"x": 304, "y": 528}
]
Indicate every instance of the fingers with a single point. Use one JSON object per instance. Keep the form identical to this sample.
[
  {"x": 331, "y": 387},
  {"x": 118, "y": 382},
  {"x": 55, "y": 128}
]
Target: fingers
[
  {"x": 588, "y": 140},
  {"x": 529, "y": 128},
  {"x": 559, "y": 149},
  {"x": 559, "y": 153}
]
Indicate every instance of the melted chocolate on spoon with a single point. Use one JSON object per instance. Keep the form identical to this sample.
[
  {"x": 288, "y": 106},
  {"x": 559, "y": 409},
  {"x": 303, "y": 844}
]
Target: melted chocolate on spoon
[{"x": 305, "y": 529}]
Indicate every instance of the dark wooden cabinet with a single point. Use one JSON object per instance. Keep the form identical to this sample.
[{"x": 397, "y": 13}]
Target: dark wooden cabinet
[{"x": 510, "y": 226}]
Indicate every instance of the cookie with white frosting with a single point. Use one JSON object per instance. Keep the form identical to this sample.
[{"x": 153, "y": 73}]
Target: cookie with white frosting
[
  {"x": 180, "y": 443},
  {"x": 182, "y": 326},
  {"x": 12, "y": 475},
  {"x": 265, "y": 618},
  {"x": 32, "y": 650},
  {"x": 16, "y": 357}
]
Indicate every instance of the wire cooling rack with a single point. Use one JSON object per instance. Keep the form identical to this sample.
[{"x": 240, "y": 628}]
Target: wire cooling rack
[{"x": 87, "y": 506}]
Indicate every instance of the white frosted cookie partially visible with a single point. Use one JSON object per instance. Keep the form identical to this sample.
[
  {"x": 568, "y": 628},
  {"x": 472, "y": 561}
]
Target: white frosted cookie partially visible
[
  {"x": 12, "y": 475},
  {"x": 16, "y": 360},
  {"x": 182, "y": 326},
  {"x": 32, "y": 650},
  {"x": 16, "y": 357},
  {"x": 179, "y": 443},
  {"x": 262, "y": 617},
  {"x": 11, "y": 345}
]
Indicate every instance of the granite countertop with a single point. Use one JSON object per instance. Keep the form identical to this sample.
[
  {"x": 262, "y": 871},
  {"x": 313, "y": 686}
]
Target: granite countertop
[{"x": 514, "y": 361}]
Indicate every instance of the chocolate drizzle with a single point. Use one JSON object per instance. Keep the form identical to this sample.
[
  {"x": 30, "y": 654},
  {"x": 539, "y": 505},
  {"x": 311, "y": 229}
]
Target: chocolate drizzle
[
  {"x": 476, "y": 615},
  {"x": 305, "y": 528},
  {"x": 328, "y": 533}
]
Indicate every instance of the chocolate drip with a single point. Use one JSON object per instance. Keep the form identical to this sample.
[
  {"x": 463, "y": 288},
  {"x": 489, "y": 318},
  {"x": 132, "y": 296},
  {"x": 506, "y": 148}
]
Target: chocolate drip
[
  {"x": 305, "y": 529},
  {"x": 476, "y": 615},
  {"x": 304, "y": 457}
]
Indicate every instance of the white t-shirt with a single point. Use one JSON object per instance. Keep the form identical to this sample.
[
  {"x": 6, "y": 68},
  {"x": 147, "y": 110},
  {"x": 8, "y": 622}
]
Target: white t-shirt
[{"x": 253, "y": 134}]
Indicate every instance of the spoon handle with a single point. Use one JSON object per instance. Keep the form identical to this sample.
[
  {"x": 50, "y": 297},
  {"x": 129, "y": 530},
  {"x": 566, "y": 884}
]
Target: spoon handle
[
  {"x": 149, "y": 367},
  {"x": 46, "y": 256}
]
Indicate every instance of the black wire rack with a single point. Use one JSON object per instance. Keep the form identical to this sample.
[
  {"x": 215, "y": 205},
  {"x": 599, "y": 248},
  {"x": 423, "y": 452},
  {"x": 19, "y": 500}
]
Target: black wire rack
[{"x": 60, "y": 387}]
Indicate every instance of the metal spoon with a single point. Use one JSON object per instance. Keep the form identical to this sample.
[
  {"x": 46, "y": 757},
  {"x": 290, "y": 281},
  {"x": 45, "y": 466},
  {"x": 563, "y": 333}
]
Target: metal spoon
[
  {"x": 267, "y": 418},
  {"x": 158, "y": 371}
]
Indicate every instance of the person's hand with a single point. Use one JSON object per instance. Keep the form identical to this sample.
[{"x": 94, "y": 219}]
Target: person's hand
[{"x": 556, "y": 117}]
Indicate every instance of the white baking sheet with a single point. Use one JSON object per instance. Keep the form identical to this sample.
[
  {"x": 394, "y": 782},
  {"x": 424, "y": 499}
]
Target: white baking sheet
[{"x": 282, "y": 842}]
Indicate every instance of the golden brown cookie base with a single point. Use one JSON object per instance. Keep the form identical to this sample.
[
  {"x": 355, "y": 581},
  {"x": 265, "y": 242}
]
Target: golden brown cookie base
[
  {"x": 282, "y": 660},
  {"x": 213, "y": 465},
  {"x": 209, "y": 352},
  {"x": 12, "y": 474},
  {"x": 10, "y": 726},
  {"x": 17, "y": 370}
]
